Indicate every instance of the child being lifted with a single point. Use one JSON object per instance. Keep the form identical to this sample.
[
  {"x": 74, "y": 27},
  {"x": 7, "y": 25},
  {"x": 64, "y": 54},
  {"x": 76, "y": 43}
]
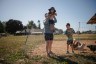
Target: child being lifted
[{"x": 51, "y": 16}]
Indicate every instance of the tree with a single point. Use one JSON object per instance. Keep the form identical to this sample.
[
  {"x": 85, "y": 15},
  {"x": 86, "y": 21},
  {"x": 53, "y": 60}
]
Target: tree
[
  {"x": 34, "y": 26},
  {"x": 1, "y": 27},
  {"x": 13, "y": 25},
  {"x": 31, "y": 24},
  {"x": 4, "y": 25},
  {"x": 39, "y": 25},
  {"x": 24, "y": 27}
]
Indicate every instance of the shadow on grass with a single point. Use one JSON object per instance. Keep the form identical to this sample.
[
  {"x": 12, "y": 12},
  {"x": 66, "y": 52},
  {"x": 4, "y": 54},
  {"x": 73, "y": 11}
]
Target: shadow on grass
[
  {"x": 63, "y": 59},
  {"x": 90, "y": 57},
  {"x": 3, "y": 61},
  {"x": 52, "y": 60}
]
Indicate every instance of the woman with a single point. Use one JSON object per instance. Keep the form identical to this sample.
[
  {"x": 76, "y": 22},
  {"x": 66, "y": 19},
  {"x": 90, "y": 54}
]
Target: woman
[
  {"x": 48, "y": 35},
  {"x": 51, "y": 14}
]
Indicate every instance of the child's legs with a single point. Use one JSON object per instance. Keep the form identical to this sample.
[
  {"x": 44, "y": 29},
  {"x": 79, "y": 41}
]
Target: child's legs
[
  {"x": 70, "y": 42},
  {"x": 72, "y": 47}
]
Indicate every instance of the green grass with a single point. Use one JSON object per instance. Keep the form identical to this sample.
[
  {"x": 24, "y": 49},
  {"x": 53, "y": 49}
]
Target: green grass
[
  {"x": 11, "y": 49},
  {"x": 45, "y": 60},
  {"x": 65, "y": 59},
  {"x": 75, "y": 36}
]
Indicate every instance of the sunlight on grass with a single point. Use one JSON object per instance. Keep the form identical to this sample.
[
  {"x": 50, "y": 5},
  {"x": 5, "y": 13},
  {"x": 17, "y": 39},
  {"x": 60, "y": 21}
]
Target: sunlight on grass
[
  {"x": 81, "y": 37},
  {"x": 11, "y": 47}
]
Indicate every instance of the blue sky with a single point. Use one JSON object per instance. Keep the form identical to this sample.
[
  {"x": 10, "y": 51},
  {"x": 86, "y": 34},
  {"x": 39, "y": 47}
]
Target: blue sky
[{"x": 72, "y": 11}]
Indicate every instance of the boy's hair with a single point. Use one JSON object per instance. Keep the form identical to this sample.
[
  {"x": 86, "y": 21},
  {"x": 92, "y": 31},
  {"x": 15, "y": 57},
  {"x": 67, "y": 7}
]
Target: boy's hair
[{"x": 68, "y": 24}]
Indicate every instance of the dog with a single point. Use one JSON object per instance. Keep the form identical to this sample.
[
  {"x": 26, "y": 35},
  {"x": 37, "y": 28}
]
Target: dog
[
  {"x": 92, "y": 47},
  {"x": 78, "y": 46}
]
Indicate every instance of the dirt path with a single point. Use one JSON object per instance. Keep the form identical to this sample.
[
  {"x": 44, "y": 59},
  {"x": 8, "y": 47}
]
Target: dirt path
[{"x": 58, "y": 47}]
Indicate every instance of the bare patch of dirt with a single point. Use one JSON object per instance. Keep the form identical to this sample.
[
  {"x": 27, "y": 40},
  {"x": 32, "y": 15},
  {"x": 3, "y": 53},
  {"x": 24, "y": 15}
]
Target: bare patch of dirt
[{"x": 58, "y": 47}]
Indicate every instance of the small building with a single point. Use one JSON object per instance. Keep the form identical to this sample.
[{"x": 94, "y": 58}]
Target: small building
[
  {"x": 92, "y": 20},
  {"x": 30, "y": 32},
  {"x": 37, "y": 31},
  {"x": 23, "y": 32},
  {"x": 58, "y": 31}
]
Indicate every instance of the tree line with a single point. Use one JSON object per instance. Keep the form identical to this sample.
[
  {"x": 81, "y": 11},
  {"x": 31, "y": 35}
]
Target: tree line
[{"x": 11, "y": 26}]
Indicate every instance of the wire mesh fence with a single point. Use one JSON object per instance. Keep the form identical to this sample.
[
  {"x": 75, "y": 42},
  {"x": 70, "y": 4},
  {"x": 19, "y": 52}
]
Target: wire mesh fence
[{"x": 87, "y": 28}]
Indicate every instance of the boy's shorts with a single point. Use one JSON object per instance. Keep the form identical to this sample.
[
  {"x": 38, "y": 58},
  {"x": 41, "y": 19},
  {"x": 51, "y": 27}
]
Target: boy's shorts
[
  {"x": 69, "y": 42},
  {"x": 48, "y": 36},
  {"x": 51, "y": 21}
]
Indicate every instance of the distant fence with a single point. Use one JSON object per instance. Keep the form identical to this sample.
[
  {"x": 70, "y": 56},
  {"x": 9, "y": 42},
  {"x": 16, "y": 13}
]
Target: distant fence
[{"x": 85, "y": 28}]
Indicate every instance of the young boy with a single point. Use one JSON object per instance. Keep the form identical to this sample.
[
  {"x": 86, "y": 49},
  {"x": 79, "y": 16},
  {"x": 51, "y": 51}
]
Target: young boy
[{"x": 69, "y": 33}]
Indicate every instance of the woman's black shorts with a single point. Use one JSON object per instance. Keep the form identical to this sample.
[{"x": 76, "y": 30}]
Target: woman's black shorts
[{"x": 48, "y": 36}]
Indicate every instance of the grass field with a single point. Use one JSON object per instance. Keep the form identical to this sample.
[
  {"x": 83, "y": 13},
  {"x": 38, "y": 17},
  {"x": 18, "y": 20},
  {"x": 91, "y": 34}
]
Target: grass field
[{"x": 12, "y": 50}]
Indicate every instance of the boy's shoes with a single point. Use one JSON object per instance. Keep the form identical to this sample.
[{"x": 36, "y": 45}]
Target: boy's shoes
[{"x": 67, "y": 52}]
